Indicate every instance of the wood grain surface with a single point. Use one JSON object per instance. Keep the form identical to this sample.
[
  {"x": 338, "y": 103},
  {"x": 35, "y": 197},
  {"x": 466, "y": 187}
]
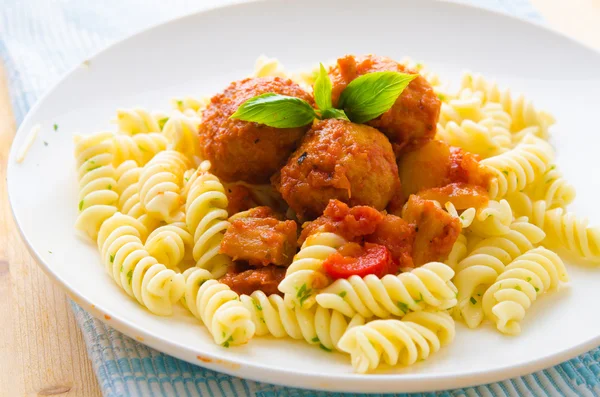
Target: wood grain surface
[{"x": 42, "y": 352}]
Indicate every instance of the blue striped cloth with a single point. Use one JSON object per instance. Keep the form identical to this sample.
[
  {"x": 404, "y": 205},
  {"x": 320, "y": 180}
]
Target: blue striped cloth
[{"x": 40, "y": 40}]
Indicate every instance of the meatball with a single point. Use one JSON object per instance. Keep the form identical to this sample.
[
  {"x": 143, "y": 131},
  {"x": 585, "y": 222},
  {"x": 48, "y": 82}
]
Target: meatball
[
  {"x": 337, "y": 159},
  {"x": 413, "y": 118},
  {"x": 242, "y": 150}
]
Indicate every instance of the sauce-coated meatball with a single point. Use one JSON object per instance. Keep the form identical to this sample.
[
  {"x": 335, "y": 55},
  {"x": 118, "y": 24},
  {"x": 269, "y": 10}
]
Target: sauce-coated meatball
[
  {"x": 241, "y": 150},
  {"x": 337, "y": 159},
  {"x": 412, "y": 119}
]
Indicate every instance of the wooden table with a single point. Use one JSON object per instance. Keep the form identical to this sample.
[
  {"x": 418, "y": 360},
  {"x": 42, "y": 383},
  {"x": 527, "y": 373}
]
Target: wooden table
[{"x": 42, "y": 352}]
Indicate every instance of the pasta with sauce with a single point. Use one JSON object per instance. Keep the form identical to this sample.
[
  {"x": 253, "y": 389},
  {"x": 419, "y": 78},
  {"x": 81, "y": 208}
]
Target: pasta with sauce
[{"x": 363, "y": 233}]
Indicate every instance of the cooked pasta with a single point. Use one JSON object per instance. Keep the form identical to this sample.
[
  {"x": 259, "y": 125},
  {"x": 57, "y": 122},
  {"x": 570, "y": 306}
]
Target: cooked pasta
[
  {"x": 141, "y": 147},
  {"x": 523, "y": 112},
  {"x": 519, "y": 167},
  {"x": 425, "y": 286},
  {"x": 134, "y": 269},
  {"x": 97, "y": 182},
  {"x": 181, "y": 132},
  {"x": 552, "y": 188},
  {"x": 405, "y": 341},
  {"x": 206, "y": 219},
  {"x": 305, "y": 276},
  {"x": 316, "y": 325},
  {"x": 493, "y": 220},
  {"x": 128, "y": 175},
  {"x": 563, "y": 229},
  {"x": 161, "y": 182},
  {"x": 458, "y": 253},
  {"x": 169, "y": 244},
  {"x": 523, "y": 280},
  {"x": 138, "y": 120},
  {"x": 218, "y": 307},
  {"x": 479, "y": 269},
  {"x": 190, "y": 106},
  {"x": 482, "y": 138}
]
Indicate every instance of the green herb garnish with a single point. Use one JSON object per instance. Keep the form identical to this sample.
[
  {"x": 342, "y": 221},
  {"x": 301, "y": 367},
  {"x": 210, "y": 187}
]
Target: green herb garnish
[
  {"x": 402, "y": 306},
  {"x": 372, "y": 94},
  {"x": 342, "y": 294},
  {"x": 55, "y": 127},
  {"x": 112, "y": 259},
  {"x": 322, "y": 89},
  {"x": 80, "y": 205},
  {"x": 324, "y": 348},
  {"x": 274, "y": 110},
  {"x": 364, "y": 99},
  {"x": 162, "y": 122},
  {"x": 473, "y": 301}
]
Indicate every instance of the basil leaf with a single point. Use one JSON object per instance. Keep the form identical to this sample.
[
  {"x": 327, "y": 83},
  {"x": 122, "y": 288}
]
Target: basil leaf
[
  {"x": 322, "y": 89},
  {"x": 274, "y": 110},
  {"x": 372, "y": 94},
  {"x": 333, "y": 113}
]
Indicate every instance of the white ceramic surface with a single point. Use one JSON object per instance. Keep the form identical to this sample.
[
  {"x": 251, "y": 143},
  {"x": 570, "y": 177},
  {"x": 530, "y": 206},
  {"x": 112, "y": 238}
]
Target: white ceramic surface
[{"x": 200, "y": 54}]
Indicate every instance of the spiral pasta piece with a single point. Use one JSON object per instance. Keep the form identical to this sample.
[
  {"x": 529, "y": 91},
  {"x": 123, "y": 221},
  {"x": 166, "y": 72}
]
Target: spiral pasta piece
[
  {"x": 458, "y": 253},
  {"x": 268, "y": 67},
  {"x": 552, "y": 188},
  {"x": 305, "y": 276},
  {"x": 181, "y": 132},
  {"x": 482, "y": 138},
  {"x": 218, "y": 307},
  {"x": 317, "y": 325},
  {"x": 189, "y": 106},
  {"x": 128, "y": 176},
  {"x": 530, "y": 275},
  {"x": 563, "y": 229},
  {"x": 523, "y": 112},
  {"x": 406, "y": 341},
  {"x": 134, "y": 269},
  {"x": 141, "y": 147},
  {"x": 97, "y": 181},
  {"x": 137, "y": 121},
  {"x": 170, "y": 244},
  {"x": 371, "y": 296},
  {"x": 519, "y": 167},
  {"x": 493, "y": 220},
  {"x": 160, "y": 186},
  {"x": 487, "y": 259},
  {"x": 206, "y": 219}
]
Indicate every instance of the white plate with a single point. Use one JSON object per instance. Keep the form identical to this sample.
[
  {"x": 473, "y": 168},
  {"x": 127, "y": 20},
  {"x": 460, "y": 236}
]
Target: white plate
[{"x": 200, "y": 54}]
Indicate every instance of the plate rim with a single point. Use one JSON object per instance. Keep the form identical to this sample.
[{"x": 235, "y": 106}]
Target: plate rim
[{"x": 410, "y": 382}]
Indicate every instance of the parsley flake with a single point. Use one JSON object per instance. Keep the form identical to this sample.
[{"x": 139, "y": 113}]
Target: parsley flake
[{"x": 473, "y": 301}]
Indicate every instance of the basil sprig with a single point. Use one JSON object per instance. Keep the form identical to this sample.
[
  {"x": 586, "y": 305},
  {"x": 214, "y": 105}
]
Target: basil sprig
[
  {"x": 274, "y": 110},
  {"x": 371, "y": 95},
  {"x": 364, "y": 99},
  {"x": 322, "y": 90}
]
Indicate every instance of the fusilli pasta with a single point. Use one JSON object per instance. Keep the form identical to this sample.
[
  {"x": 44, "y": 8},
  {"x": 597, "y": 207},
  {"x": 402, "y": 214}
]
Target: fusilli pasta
[
  {"x": 316, "y": 325},
  {"x": 305, "y": 276},
  {"x": 523, "y": 280},
  {"x": 160, "y": 186},
  {"x": 405, "y": 341},
  {"x": 425, "y": 286},
  {"x": 519, "y": 167},
  {"x": 206, "y": 218},
  {"x": 97, "y": 182},
  {"x": 134, "y": 269},
  {"x": 218, "y": 307}
]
